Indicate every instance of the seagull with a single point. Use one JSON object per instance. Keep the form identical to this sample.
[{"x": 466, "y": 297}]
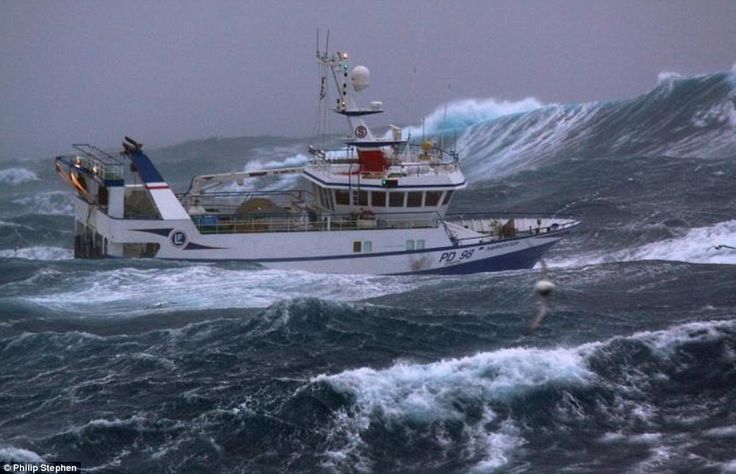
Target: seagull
[{"x": 543, "y": 288}]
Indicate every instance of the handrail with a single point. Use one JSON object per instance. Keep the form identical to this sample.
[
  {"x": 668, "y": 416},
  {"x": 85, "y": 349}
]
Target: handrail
[
  {"x": 96, "y": 153},
  {"x": 520, "y": 234},
  {"x": 350, "y": 151},
  {"x": 112, "y": 171},
  {"x": 249, "y": 193},
  {"x": 312, "y": 222},
  {"x": 496, "y": 228},
  {"x": 477, "y": 214},
  {"x": 401, "y": 169},
  {"x": 452, "y": 154}
]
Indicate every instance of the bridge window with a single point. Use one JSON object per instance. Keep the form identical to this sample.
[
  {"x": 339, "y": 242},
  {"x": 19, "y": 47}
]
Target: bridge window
[
  {"x": 414, "y": 199},
  {"x": 367, "y": 246},
  {"x": 139, "y": 204},
  {"x": 446, "y": 201},
  {"x": 420, "y": 244},
  {"x": 362, "y": 198},
  {"x": 396, "y": 199},
  {"x": 342, "y": 197},
  {"x": 357, "y": 246},
  {"x": 409, "y": 245},
  {"x": 378, "y": 199},
  {"x": 432, "y": 198}
]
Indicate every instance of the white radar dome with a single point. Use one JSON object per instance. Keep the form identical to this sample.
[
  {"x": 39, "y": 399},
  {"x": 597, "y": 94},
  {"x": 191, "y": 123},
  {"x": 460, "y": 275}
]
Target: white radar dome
[{"x": 360, "y": 78}]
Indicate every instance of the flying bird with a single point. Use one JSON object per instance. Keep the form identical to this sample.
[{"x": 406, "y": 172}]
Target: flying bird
[{"x": 543, "y": 288}]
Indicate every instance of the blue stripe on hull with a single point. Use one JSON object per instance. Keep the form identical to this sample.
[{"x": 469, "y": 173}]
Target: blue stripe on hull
[{"x": 520, "y": 260}]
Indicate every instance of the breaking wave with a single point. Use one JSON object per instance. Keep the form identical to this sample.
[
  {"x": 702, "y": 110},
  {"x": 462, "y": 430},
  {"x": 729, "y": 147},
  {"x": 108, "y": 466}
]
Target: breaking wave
[
  {"x": 462, "y": 410},
  {"x": 292, "y": 161},
  {"x": 38, "y": 253},
  {"x": 183, "y": 287},
  {"x": 458, "y": 115},
  {"x": 680, "y": 117},
  {"x": 47, "y": 203},
  {"x": 410, "y": 395},
  {"x": 9, "y": 453},
  {"x": 714, "y": 244},
  {"x": 15, "y": 176},
  {"x": 665, "y": 76}
]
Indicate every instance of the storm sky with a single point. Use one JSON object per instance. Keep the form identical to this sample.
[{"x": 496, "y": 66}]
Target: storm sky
[{"x": 165, "y": 72}]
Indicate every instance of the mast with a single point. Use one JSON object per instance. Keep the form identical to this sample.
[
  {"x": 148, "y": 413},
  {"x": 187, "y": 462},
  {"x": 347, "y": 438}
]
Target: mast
[{"x": 346, "y": 83}]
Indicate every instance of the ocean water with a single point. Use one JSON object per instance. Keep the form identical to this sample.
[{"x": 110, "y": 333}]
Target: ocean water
[{"x": 143, "y": 366}]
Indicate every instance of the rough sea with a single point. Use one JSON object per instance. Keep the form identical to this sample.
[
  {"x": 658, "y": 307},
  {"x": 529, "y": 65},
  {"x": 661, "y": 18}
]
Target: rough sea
[{"x": 138, "y": 366}]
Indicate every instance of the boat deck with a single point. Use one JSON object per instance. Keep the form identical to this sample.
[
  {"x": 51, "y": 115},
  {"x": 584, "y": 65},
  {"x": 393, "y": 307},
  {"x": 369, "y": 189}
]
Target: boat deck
[{"x": 494, "y": 226}]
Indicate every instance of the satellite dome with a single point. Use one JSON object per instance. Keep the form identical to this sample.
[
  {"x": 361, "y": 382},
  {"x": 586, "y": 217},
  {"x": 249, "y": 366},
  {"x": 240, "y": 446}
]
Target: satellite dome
[{"x": 360, "y": 78}]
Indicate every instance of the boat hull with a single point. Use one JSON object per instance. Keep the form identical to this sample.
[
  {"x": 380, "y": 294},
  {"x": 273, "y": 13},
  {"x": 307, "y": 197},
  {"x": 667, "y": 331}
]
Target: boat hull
[
  {"x": 522, "y": 254},
  {"x": 379, "y": 251}
]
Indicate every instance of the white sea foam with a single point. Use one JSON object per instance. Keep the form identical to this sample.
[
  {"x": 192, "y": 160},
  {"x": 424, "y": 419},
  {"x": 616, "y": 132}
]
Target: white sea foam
[
  {"x": 15, "y": 225},
  {"x": 38, "y": 253},
  {"x": 721, "y": 432},
  {"x": 506, "y": 147},
  {"x": 15, "y": 176},
  {"x": 133, "y": 290},
  {"x": 48, "y": 203},
  {"x": 288, "y": 162},
  {"x": 428, "y": 392},
  {"x": 265, "y": 161},
  {"x": 638, "y": 438},
  {"x": 698, "y": 245},
  {"x": 435, "y": 392},
  {"x": 665, "y": 76},
  {"x": 657, "y": 461},
  {"x": 460, "y": 114},
  {"x": 10, "y": 453},
  {"x": 665, "y": 342},
  {"x": 438, "y": 391},
  {"x": 729, "y": 466},
  {"x": 281, "y": 182},
  {"x": 718, "y": 116}
]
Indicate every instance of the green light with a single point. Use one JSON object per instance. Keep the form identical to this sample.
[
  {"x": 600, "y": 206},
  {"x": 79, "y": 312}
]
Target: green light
[{"x": 345, "y": 66}]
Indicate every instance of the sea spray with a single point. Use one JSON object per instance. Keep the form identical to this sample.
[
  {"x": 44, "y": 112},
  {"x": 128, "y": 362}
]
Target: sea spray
[{"x": 17, "y": 176}]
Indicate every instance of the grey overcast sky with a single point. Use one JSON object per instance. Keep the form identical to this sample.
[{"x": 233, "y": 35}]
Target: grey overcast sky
[{"x": 168, "y": 71}]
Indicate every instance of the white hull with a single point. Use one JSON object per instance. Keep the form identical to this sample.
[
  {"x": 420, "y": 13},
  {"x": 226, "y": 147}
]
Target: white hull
[{"x": 320, "y": 251}]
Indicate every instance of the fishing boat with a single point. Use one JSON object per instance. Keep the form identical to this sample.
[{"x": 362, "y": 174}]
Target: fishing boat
[{"x": 378, "y": 205}]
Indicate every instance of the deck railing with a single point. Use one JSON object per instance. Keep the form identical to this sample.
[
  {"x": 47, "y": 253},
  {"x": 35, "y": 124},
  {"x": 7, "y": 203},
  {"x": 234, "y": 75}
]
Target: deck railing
[
  {"x": 308, "y": 221},
  {"x": 311, "y": 222},
  {"x": 496, "y": 225},
  {"x": 436, "y": 161},
  {"x": 229, "y": 201},
  {"x": 96, "y": 161}
]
